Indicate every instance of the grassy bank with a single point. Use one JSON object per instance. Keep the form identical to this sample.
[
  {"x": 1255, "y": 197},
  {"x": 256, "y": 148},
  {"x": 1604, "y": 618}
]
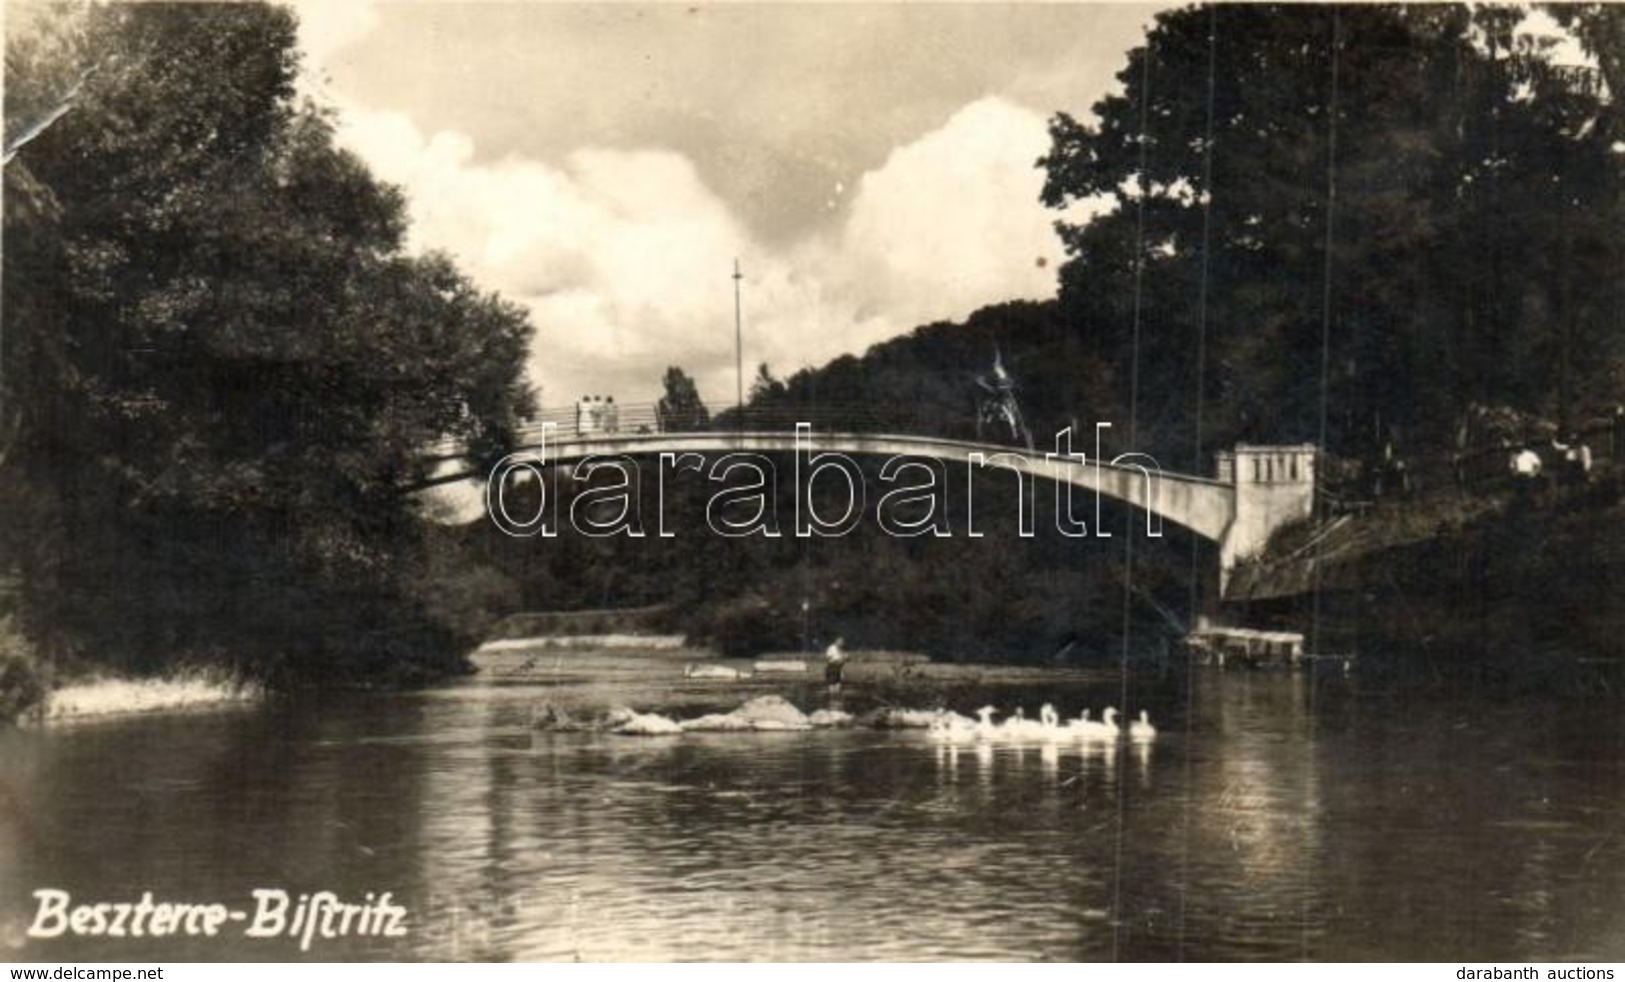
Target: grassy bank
[
  {"x": 31, "y": 692},
  {"x": 104, "y": 697}
]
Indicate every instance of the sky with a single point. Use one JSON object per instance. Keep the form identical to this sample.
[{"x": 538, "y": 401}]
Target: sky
[{"x": 870, "y": 166}]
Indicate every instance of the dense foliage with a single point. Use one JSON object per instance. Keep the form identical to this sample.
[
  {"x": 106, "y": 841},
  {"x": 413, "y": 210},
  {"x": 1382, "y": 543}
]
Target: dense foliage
[
  {"x": 220, "y": 364},
  {"x": 1467, "y": 186}
]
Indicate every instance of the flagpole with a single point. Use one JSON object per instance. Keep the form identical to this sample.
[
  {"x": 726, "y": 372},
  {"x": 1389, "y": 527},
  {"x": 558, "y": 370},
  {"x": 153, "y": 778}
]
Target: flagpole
[{"x": 739, "y": 349}]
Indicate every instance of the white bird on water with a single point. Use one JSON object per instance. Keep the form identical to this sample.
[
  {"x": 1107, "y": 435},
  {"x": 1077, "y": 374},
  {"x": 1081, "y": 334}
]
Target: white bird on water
[
  {"x": 1019, "y": 727},
  {"x": 1014, "y": 726},
  {"x": 951, "y": 726},
  {"x": 1048, "y": 727},
  {"x": 1081, "y": 726},
  {"x": 1085, "y": 728},
  {"x": 1141, "y": 729}
]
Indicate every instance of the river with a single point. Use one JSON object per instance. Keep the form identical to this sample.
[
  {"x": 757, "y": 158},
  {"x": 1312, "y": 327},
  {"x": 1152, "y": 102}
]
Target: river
[{"x": 1272, "y": 818}]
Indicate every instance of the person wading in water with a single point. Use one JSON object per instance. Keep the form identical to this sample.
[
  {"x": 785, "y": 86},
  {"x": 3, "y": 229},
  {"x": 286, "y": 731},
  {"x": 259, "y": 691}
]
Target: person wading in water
[{"x": 834, "y": 665}]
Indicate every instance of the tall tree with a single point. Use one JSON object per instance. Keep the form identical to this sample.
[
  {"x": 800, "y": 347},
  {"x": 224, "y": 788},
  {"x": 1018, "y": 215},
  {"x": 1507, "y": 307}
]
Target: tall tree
[
  {"x": 222, "y": 363},
  {"x": 766, "y": 389},
  {"x": 1469, "y": 203},
  {"x": 681, "y": 407}
]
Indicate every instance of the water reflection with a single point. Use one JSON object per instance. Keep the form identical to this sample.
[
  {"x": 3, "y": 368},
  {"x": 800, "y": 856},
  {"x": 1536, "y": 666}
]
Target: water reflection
[{"x": 1260, "y": 823}]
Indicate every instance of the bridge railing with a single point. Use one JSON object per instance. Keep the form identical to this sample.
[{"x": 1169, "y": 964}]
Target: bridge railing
[{"x": 598, "y": 419}]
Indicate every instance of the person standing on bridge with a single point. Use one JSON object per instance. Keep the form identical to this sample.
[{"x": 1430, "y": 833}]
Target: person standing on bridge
[{"x": 834, "y": 666}]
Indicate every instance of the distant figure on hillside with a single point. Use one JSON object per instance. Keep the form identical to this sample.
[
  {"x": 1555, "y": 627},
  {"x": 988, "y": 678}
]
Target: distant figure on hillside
[{"x": 834, "y": 665}]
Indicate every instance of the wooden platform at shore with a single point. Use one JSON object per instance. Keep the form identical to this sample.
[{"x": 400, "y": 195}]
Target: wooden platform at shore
[{"x": 1217, "y": 645}]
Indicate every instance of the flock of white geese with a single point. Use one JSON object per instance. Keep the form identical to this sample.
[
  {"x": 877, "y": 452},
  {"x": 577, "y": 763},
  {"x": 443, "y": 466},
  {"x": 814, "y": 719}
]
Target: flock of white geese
[{"x": 1048, "y": 727}]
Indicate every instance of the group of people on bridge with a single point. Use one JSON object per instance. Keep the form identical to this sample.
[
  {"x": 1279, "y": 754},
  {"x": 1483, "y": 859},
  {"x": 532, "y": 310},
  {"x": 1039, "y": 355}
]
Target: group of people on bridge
[{"x": 597, "y": 414}]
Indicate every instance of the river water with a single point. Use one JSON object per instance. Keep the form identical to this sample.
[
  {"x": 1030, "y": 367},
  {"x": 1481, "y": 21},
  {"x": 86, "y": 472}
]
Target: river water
[{"x": 1273, "y": 817}]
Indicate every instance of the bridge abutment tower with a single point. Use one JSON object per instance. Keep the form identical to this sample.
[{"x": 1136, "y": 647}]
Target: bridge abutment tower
[{"x": 1274, "y": 486}]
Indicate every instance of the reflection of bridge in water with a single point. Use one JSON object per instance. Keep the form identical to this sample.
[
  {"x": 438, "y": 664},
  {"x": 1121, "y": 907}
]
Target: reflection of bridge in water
[{"x": 1256, "y": 490}]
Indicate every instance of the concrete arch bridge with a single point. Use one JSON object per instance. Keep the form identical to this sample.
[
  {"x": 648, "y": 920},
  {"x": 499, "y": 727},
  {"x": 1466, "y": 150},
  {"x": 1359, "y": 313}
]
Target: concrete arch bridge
[{"x": 1255, "y": 490}]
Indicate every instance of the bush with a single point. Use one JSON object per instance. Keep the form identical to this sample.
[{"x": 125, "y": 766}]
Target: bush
[
  {"x": 22, "y": 683},
  {"x": 746, "y": 627}
]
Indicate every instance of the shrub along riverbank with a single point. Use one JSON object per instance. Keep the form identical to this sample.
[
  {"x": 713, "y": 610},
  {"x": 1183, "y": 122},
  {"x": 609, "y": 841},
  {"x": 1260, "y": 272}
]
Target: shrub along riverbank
[{"x": 1524, "y": 594}]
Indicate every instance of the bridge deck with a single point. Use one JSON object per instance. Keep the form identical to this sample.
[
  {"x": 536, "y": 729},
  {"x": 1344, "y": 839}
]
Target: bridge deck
[{"x": 1202, "y": 504}]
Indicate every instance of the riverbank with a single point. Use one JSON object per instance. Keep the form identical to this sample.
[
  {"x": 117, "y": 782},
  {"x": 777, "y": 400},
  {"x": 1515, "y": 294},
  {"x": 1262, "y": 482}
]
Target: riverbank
[
  {"x": 107, "y": 697},
  {"x": 1520, "y": 590}
]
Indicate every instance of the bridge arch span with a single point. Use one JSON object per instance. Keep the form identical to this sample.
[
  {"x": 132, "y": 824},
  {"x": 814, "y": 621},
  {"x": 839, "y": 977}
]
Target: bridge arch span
[
  {"x": 1203, "y": 505},
  {"x": 1259, "y": 488}
]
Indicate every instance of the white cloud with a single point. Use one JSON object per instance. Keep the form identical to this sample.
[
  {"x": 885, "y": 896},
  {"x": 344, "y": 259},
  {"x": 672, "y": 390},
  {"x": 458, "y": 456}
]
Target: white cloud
[
  {"x": 952, "y": 220},
  {"x": 326, "y": 26},
  {"x": 624, "y": 257}
]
